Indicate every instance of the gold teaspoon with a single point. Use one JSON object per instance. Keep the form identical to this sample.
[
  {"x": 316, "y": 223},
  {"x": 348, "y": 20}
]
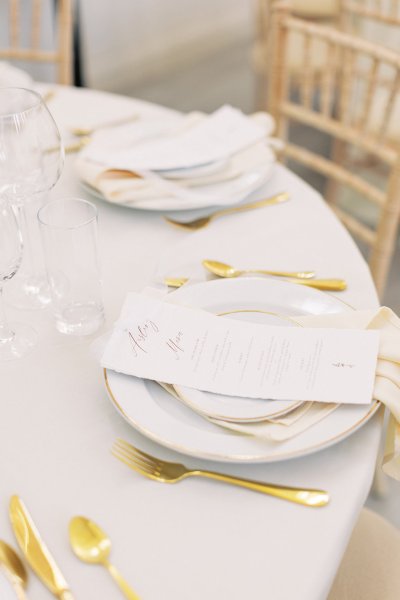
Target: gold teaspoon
[
  {"x": 14, "y": 568},
  {"x": 91, "y": 544},
  {"x": 224, "y": 270}
]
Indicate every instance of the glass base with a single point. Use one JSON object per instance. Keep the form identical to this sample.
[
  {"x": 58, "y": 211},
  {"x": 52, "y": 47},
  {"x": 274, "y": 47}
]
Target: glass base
[
  {"x": 22, "y": 342},
  {"x": 28, "y": 293},
  {"x": 80, "y": 319}
]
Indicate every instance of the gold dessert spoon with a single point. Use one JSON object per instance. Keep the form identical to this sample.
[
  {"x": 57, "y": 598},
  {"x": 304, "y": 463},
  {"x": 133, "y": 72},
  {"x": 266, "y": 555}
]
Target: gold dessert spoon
[
  {"x": 203, "y": 221},
  {"x": 224, "y": 270},
  {"x": 14, "y": 568},
  {"x": 91, "y": 544}
]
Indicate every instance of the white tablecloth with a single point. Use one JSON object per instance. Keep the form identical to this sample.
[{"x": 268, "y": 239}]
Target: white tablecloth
[{"x": 197, "y": 539}]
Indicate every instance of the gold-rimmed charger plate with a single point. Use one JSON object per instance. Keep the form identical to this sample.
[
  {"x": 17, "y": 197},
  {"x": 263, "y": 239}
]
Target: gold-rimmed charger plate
[{"x": 159, "y": 416}]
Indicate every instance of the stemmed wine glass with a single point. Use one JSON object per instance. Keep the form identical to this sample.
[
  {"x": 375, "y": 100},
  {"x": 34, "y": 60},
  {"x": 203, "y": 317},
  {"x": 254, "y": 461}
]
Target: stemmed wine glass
[
  {"x": 15, "y": 338},
  {"x": 31, "y": 160}
]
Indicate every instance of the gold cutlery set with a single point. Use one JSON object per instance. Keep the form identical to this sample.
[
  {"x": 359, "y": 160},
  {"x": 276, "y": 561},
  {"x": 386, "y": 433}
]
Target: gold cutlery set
[{"x": 88, "y": 541}]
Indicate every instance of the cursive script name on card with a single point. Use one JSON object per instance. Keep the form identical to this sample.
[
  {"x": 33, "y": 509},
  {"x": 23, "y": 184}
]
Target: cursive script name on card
[
  {"x": 175, "y": 344},
  {"x": 139, "y": 336}
]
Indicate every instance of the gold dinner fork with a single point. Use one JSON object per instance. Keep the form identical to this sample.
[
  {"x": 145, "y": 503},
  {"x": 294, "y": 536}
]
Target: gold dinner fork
[
  {"x": 204, "y": 221},
  {"x": 168, "y": 472}
]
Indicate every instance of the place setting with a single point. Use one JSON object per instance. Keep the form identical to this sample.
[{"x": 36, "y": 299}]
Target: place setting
[{"x": 199, "y": 331}]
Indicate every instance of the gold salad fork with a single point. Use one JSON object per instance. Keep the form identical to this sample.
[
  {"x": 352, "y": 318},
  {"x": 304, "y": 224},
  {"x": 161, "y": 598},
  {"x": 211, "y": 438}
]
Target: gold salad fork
[
  {"x": 203, "y": 221},
  {"x": 169, "y": 472}
]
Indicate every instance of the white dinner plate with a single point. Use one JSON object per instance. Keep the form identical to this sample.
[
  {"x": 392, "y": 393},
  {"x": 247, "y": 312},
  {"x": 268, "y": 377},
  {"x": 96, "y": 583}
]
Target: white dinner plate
[{"x": 155, "y": 413}]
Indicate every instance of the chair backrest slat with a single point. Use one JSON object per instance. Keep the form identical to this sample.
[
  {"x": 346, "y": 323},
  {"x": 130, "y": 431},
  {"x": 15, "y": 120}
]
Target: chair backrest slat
[
  {"x": 328, "y": 80},
  {"x": 387, "y": 114},
  {"x": 372, "y": 81},
  {"x": 14, "y": 23},
  {"x": 36, "y": 22},
  {"x": 306, "y": 85},
  {"x": 348, "y": 59}
]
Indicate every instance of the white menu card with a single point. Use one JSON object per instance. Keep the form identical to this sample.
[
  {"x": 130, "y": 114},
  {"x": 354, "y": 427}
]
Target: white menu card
[{"x": 154, "y": 339}]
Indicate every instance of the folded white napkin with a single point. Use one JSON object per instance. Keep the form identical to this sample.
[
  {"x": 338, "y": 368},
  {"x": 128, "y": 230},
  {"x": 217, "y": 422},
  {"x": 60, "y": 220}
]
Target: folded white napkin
[
  {"x": 193, "y": 160},
  {"x": 10, "y": 76},
  {"x": 211, "y": 138}
]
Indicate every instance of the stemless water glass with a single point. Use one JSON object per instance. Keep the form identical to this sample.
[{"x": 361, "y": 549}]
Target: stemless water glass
[
  {"x": 31, "y": 160},
  {"x": 69, "y": 234},
  {"x": 15, "y": 338}
]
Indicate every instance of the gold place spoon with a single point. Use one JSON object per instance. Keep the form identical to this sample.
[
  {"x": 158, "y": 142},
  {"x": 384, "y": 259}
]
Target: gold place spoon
[
  {"x": 14, "y": 568},
  {"x": 224, "y": 270},
  {"x": 91, "y": 544}
]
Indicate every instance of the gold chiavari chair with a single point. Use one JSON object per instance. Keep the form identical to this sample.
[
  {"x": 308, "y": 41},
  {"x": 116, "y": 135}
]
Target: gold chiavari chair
[
  {"x": 328, "y": 106},
  {"x": 19, "y": 48}
]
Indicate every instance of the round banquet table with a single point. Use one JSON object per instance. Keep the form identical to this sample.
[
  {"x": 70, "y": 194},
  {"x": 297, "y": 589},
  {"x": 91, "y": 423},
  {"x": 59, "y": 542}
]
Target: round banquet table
[{"x": 197, "y": 539}]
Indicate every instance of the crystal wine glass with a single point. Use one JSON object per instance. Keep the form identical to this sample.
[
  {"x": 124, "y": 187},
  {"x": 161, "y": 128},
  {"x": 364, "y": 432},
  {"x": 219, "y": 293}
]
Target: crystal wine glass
[
  {"x": 31, "y": 160},
  {"x": 15, "y": 338}
]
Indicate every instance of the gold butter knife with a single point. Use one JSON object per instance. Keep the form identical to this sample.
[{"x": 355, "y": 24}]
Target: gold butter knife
[{"x": 35, "y": 550}]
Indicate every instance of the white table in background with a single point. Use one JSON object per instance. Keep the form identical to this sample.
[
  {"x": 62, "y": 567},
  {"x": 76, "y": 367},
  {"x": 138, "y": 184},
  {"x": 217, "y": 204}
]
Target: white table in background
[{"x": 198, "y": 539}]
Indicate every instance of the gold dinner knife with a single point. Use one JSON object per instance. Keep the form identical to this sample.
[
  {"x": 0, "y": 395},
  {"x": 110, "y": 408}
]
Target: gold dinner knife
[{"x": 35, "y": 550}]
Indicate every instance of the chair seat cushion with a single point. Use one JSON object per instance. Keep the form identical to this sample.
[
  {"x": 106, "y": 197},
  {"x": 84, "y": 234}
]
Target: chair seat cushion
[{"x": 370, "y": 569}]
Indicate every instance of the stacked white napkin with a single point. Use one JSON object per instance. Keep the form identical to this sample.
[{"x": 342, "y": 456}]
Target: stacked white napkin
[{"x": 194, "y": 159}]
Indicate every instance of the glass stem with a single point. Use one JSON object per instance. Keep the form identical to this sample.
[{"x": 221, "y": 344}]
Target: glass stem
[
  {"x": 28, "y": 266},
  {"x": 6, "y": 334},
  {"x": 32, "y": 262}
]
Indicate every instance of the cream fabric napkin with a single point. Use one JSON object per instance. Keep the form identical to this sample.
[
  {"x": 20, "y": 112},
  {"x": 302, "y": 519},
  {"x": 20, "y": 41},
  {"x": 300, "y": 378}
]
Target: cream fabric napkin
[
  {"x": 387, "y": 380},
  {"x": 281, "y": 429}
]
